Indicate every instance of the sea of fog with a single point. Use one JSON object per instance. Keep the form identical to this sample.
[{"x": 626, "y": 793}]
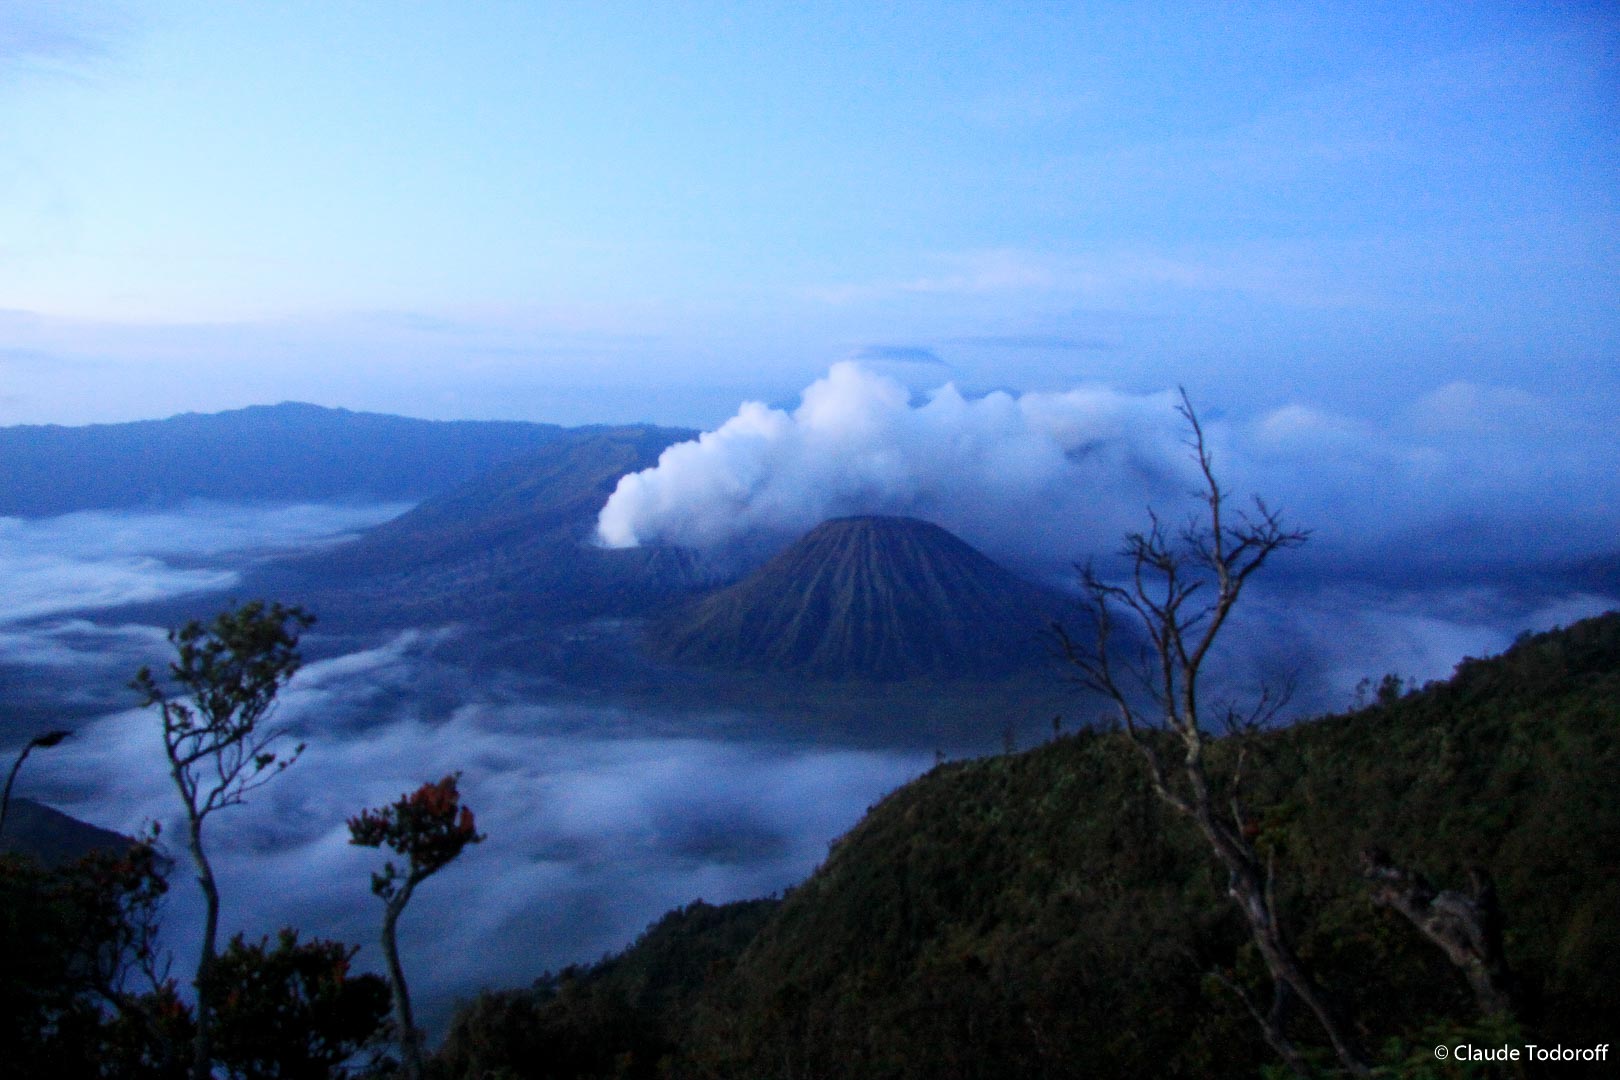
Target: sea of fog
[{"x": 598, "y": 819}]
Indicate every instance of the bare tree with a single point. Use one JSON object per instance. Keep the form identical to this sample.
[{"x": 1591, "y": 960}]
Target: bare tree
[
  {"x": 219, "y": 692},
  {"x": 430, "y": 828},
  {"x": 1181, "y": 590}
]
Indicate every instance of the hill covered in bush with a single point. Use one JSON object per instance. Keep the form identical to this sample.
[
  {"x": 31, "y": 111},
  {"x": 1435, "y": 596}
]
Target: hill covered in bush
[{"x": 1042, "y": 915}]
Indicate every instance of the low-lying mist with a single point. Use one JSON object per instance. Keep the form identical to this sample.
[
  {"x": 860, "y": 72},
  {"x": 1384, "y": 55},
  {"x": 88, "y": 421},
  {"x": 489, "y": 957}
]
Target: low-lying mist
[
  {"x": 590, "y": 837},
  {"x": 106, "y": 558}
]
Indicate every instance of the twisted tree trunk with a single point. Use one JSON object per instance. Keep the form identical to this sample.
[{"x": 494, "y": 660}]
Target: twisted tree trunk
[
  {"x": 1467, "y": 927},
  {"x": 410, "y": 1042}
]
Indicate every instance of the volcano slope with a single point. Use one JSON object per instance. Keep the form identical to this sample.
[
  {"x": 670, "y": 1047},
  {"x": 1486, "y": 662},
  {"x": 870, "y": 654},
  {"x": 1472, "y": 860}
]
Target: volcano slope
[
  {"x": 511, "y": 546},
  {"x": 875, "y": 598}
]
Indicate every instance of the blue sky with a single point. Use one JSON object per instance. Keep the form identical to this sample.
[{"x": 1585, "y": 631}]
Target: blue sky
[{"x": 585, "y": 212}]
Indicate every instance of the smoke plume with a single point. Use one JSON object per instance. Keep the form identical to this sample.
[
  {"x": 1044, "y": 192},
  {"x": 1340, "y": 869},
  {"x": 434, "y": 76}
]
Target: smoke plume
[{"x": 859, "y": 444}]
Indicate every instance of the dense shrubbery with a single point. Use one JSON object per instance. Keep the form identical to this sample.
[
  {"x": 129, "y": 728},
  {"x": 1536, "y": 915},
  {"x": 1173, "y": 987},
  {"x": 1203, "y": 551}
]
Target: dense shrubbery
[
  {"x": 1043, "y": 915},
  {"x": 74, "y": 937},
  {"x": 624, "y": 1017},
  {"x": 293, "y": 1009}
]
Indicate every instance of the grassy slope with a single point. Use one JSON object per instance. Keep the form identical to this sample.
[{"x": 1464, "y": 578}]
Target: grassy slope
[{"x": 1040, "y": 915}]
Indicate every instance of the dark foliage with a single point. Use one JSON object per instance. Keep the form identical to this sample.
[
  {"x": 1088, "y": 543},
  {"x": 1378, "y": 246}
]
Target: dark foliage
[
  {"x": 429, "y": 827},
  {"x": 215, "y": 697},
  {"x": 1044, "y": 915},
  {"x": 81, "y": 990},
  {"x": 621, "y": 1018},
  {"x": 293, "y": 1010},
  {"x": 215, "y": 700},
  {"x": 84, "y": 990}
]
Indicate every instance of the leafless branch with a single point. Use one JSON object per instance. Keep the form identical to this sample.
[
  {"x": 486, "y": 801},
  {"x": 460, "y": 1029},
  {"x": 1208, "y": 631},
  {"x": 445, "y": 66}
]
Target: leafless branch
[{"x": 1181, "y": 592}]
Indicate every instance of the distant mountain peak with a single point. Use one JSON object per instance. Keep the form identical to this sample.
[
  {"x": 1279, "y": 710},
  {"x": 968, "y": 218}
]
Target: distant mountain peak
[{"x": 870, "y": 597}]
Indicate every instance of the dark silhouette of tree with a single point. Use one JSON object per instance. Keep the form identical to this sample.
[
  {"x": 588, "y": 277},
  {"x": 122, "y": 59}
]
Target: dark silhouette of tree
[
  {"x": 117, "y": 896},
  {"x": 1182, "y": 588},
  {"x": 293, "y": 1010},
  {"x": 39, "y": 742},
  {"x": 428, "y": 827},
  {"x": 215, "y": 702}
]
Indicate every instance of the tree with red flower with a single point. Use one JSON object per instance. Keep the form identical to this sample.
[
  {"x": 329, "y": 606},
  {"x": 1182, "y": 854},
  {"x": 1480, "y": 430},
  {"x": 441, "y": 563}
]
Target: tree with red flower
[{"x": 428, "y": 827}]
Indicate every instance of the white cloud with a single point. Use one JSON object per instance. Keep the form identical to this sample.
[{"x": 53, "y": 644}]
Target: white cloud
[
  {"x": 1043, "y": 479},
  {"x": 1021, "y": 477}
]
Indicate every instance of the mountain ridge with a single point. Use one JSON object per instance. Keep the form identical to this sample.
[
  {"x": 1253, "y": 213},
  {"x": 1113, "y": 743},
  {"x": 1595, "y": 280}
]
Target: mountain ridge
[
  {"x": 292, "y": 452},
  {"x": 508, "y": 544},
  {"x": 54, "y": 838}
]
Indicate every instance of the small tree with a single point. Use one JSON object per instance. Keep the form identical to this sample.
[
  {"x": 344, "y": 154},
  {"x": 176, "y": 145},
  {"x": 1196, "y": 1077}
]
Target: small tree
[
  {"x": 1181, "y": 591},
  {"x": 220, "y": 691},
  {"x": 117, "y": 897},
  {"x": 429, "y": 827}
]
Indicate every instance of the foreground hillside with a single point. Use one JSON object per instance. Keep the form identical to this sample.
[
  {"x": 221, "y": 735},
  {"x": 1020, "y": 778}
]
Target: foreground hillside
[
  {"x": 1041, "y": 915},
  {"x": 51, "y": 836}
]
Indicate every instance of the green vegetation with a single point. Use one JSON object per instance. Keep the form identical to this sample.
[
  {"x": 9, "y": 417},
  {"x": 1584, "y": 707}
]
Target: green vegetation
[
  {"x": 1045, "y": 915},
  {"x": 293, "y": 1009},
  {"x": 78, "y": 946},
  {"x": 626, "y": 1016},
  {"x": 1182, "y": 588},
  {"x": 86, "y": 990}
]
